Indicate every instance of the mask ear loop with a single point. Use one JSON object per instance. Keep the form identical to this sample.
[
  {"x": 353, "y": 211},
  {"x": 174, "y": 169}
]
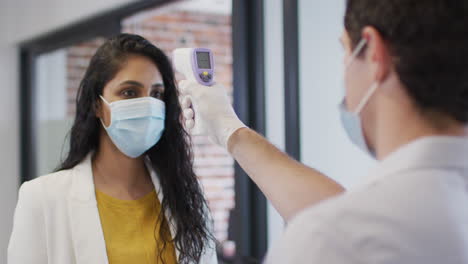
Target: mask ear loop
[
  {"x": 366, "y": 98},
  {"x": 374, "y": 86},
  {"x": 356, "y": 51},
  {"x": 104, "y": 99},
  {"x": 110, "y": 110}
]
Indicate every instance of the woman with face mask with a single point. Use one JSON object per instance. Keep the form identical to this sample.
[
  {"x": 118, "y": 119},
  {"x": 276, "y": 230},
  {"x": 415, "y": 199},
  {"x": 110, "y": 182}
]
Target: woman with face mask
[{"x": 126, "y": 192}]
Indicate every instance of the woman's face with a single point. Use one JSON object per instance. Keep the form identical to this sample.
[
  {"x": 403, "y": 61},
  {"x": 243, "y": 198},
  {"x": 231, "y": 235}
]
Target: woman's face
[{"x": 139, "y": 77}]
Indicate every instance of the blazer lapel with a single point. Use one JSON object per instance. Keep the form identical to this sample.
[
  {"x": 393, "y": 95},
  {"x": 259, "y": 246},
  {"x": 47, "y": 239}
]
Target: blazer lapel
[{"x": 85, "y": 223}]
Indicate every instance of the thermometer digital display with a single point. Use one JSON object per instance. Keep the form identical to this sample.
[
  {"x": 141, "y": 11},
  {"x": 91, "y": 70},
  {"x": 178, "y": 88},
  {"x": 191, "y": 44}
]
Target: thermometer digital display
[{"x": 195, "y": 64}]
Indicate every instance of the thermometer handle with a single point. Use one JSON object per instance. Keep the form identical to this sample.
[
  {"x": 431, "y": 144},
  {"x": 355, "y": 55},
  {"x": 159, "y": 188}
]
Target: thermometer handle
[{"x": 196, "y": 64}]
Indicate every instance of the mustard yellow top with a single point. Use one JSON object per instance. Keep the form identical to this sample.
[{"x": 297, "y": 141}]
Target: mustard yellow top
[{"x": 131, "y": 230}]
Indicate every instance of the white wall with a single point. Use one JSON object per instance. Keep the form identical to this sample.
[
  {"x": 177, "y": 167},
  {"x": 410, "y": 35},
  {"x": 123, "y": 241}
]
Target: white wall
[
  {"x": 274, "y": 86},
  {"x": 324, "y": 142},
  {"x": 21, "y": 20},
  {"x": 9, "y": 148}
]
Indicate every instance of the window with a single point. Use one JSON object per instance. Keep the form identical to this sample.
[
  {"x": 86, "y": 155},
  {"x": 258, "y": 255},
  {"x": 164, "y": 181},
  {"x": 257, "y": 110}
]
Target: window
[{"x": 58, "y": 77}]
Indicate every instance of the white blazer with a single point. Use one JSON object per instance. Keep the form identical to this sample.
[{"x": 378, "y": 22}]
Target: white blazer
[{"x": 57, "y": 221}]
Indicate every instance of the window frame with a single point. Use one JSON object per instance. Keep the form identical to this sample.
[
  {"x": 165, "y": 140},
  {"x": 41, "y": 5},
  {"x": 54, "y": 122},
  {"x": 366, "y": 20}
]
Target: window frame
[{"x": 291, "y": 79}]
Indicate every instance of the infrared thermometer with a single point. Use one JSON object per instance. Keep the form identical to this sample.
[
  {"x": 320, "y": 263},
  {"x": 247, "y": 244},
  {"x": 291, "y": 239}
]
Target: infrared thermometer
[{"x": 196, "y": 64}]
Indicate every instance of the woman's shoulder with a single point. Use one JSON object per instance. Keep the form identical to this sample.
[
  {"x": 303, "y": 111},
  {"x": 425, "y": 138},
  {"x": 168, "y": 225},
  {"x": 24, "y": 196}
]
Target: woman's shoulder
[{"x": 51, "y": 186}]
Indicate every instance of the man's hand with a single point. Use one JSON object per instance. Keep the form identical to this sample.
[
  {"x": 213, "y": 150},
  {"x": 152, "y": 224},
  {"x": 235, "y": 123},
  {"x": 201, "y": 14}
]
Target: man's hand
[{"x": 209, "y": 109}]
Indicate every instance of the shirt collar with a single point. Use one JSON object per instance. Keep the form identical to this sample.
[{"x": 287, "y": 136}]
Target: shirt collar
[{"x": 439, "y": 152}]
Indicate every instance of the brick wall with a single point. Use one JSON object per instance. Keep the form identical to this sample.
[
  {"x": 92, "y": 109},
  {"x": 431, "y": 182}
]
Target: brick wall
[
  {"x": 170, "y": 28},
  {"x": 78, "y": 57}
]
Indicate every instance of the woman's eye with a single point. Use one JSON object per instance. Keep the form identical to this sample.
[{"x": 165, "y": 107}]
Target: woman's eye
[
  {"x": 129, "y": 93},
  {"x": 157, "y": 94}
]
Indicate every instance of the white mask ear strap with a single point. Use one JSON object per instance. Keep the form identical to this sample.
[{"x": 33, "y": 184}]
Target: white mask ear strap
[
  {"x": 105, "y": 101},
  {"x": 366, "y": 98},
  {"x": 102, "y": 122},
  {"x": 356, "y": 51}
]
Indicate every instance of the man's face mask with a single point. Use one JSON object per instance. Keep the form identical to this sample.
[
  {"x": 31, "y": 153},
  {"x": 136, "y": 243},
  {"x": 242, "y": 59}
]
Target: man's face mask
[{"x": 350, "y": 118}]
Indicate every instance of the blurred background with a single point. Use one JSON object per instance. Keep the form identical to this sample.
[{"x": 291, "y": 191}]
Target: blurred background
[{"x": 280, "y": 60}]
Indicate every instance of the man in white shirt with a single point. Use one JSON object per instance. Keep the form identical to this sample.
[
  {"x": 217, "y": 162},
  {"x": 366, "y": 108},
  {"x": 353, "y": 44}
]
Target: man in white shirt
[{"x": 406, "y": 105}]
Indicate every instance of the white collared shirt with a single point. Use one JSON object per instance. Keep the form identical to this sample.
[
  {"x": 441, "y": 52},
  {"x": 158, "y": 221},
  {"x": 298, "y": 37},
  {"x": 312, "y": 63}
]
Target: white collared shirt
[{"x": 414, "y": 210}]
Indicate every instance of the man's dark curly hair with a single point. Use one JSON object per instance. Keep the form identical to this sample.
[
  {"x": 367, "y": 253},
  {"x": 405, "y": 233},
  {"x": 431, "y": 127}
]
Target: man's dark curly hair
[{"x": 428, "y": 40}]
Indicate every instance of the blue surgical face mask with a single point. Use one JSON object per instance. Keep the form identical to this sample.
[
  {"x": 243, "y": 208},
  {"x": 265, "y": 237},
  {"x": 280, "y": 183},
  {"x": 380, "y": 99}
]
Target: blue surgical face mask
[
  {"x": 136, "y": 124},
  {"x": 351, "y": 120}
]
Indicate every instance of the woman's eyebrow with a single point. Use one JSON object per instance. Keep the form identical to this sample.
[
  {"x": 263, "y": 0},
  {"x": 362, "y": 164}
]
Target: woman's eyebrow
[
  {"x": 134, "y": 83},
  {"x": 158, "y": 85}
]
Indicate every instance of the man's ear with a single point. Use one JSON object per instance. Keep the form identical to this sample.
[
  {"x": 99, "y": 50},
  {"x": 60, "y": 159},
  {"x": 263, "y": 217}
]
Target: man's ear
[
  {"x": 346, "y": 42},
  {"x": 378, "y": 53}
]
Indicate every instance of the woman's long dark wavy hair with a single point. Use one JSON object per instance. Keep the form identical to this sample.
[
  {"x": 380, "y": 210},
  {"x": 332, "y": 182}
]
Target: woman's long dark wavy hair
[{"x": 171, "y": 157}]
